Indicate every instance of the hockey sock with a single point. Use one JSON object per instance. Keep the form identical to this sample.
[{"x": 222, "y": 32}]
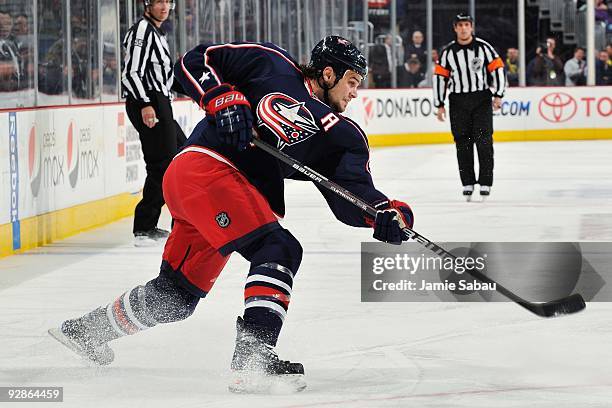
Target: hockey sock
[
  {"x": 266, "y": 300},
  {"x": 128, "y": 313},
  {"x": 275, "y": 260}
]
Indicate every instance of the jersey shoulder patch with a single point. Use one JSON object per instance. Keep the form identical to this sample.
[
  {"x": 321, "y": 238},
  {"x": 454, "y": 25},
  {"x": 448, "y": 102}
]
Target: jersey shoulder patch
[{"x": 329, "y": 121}]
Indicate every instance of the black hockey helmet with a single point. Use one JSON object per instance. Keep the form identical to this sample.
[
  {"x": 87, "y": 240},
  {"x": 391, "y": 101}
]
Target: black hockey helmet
[
  {"x": 462, "y": 17},
  {"x": 148, "y": 3},
  {"x": 340, "y": 54}
]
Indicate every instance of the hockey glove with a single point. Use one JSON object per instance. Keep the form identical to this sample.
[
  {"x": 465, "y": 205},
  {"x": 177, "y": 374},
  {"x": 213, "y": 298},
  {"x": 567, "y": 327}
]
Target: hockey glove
[
  {"x": 390, "y": 222},
  {"x": 231, "y": 113}
]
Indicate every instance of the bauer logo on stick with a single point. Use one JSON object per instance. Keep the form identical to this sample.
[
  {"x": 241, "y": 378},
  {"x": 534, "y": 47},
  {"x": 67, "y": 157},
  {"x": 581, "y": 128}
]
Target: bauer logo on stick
[
  {"x": 287, "y": 118},
  {"x": 222, "y": 220}
]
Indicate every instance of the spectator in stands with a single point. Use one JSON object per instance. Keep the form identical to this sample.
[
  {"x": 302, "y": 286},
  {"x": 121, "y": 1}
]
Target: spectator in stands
[
  {"x": 20, "y": 25},
  {"x": 538, "y": 69},
  {"x": 81, "y": 71},
  {"x": 9, "y": 56},
  {"x": 21, "y": 30},
  {"x": 84, "y": 70},
  {"x": 25, "y": 47},
  {"x": 380, "y": 73},
  {"x": 6, "y": 26},
  {"x": 53, "y": 69},
  {"x": 603, "y": 68},
  {"x": 416, "y": 47},
  {"x": 411, "y": 74},
  {"x": 109, "y": 69},
  {"x": 602, "y": 13},
  {"x": 399, "y": 53},
  {"x": 546, "y": 69},
  {"x": 427, "y": 80},
  {"x": 575, "y": 69},
  {"x": 550, "y": 53},
  {"x": 435, "y": 56},
  {"x": 512, "y": 66}
]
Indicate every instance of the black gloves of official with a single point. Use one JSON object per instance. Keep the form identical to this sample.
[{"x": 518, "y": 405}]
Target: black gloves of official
[
  {"x": 391, "y": 220},
  {"x": 231, "y": 113}
]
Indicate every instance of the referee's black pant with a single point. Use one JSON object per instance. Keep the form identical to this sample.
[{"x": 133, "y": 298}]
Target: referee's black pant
[
  {"x": 159, "y": 145},
  {"x": 471, "y": 118}
]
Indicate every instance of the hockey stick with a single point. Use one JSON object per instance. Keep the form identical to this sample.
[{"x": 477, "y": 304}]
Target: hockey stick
[{"x": 567, "y": 305}]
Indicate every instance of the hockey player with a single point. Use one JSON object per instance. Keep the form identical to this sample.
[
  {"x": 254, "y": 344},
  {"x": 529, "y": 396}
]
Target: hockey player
[{"x": 225, "y": 196}]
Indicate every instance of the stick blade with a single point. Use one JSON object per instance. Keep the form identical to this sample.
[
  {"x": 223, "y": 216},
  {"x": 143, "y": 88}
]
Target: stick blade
[{"x": 560, "y": 307}]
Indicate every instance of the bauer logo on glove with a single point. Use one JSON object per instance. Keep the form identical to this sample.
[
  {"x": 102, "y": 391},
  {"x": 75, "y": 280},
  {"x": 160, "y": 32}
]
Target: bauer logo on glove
[{"x": 229, "y": 99}]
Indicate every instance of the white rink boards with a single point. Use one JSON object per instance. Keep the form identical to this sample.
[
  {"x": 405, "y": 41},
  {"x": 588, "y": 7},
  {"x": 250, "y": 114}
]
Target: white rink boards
[{"x": 355, "y": 354}]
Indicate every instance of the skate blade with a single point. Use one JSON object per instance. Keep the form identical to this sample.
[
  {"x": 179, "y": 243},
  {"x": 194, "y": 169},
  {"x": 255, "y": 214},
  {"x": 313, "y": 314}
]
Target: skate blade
[
  {"x": 143, "y": 242},
  {"x": 257, "y": 383},
  {"x": 468, "y": 198},
  {"x": 57, "y": 334}
]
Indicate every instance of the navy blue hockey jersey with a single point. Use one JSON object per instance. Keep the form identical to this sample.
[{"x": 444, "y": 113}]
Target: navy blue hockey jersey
[{"x": 288, "y": 115}]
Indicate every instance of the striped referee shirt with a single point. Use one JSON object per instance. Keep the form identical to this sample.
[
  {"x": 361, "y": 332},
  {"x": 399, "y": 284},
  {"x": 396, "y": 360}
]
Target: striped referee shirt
[
  {"x": 468, "y": 68},
  {"x": 148, "y": 66}
]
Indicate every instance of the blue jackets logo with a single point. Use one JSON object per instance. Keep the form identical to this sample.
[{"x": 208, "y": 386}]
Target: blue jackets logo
[{"x": 286, "y": 118}]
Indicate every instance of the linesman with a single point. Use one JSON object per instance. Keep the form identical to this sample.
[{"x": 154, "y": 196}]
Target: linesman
[
  {"x": 474, "y": 73},
  {"x": 147, "y": 79}
]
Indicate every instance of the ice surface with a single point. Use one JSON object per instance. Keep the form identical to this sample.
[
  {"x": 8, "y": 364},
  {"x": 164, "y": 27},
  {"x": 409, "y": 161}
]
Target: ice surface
[{"x": 355, "y": 354}]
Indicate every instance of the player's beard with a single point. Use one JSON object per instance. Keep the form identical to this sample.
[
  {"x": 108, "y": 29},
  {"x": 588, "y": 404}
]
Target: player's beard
[{"x": 337, "y": 105}]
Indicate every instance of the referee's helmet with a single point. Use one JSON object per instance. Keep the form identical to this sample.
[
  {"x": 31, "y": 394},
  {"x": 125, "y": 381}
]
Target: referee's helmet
[
  {"x": 148, "y": 3},
  {"x": 462, "y": 17}
]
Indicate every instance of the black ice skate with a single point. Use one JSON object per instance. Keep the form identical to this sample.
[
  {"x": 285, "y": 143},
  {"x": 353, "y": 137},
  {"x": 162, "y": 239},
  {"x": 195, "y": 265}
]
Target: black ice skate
[
  {"x": 467, "y": 192},
  {"x": 150, "y": 238},
  {"x": 485, "y": 191},
  {"x": 77, "y": 337},
  {"x": 256, "y": 369}
]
